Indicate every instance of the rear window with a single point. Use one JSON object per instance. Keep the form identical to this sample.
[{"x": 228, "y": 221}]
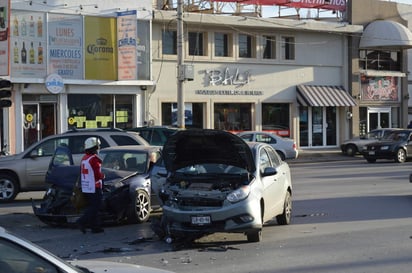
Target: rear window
[{"x": 122, "y": 140}]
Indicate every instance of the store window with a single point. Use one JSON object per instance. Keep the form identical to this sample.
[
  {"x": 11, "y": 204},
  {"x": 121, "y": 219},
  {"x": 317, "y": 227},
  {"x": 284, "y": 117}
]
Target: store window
[
  {"x": 193, "y": 115},
  {"x": 197, "y": 46},
  {"x": 233, "y": 116},
  {"x": 100, "y": 111},
  {"x": 269, "y": 51},
  {"x": 223, "y": 44},
  {"x": 276, "y": 117},
  {"x": 246, "y": 46},
  {"x": 169, "y": 42},
  {"x": 288, "y": 48},
  {"x": 380, "y": 60}
]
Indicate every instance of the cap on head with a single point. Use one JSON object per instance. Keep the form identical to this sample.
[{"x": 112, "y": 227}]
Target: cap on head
[{"x": 91, "y": 142}]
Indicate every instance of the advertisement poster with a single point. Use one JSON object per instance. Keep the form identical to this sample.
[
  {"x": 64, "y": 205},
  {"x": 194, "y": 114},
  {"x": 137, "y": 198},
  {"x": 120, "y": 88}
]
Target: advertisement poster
[
  {"x": 4, "y": 39},
  {"x": 28, "y": 44},
  {"x": 100, "y": 48},
  {"x": 126, "y": 45},
  {"x": 379, "y": 88},
  {"x": 65, "y": 49}
]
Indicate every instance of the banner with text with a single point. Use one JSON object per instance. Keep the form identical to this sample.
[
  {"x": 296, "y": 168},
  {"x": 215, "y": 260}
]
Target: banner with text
[
  {"x": 126, "y": 45},
  {"x": 100, "y": 48},
  {"x": 4, "y": 37},
  {"x": 65, "y": 49}
]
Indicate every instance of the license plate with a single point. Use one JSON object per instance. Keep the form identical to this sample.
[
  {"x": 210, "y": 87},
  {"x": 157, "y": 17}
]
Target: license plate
[
  {"x": 372, "y": 153},
  {"x": 200, "y": 220}
]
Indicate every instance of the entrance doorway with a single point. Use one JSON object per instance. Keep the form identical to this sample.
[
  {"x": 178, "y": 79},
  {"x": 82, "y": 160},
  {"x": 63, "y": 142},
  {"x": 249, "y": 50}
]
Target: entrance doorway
[
  {"x": 39, "y": 121},
  {"x": 318, "y": 126},
  {"x": 375, "y": 118}
]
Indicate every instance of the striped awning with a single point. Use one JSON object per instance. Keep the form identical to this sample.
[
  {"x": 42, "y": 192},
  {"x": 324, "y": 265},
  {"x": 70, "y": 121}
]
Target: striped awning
[{"x": 323, "y": 95}]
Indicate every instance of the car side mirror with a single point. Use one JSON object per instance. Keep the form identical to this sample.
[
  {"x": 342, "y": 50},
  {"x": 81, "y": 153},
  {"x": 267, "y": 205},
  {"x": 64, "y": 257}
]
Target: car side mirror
[{"x": 269, "y": 171}]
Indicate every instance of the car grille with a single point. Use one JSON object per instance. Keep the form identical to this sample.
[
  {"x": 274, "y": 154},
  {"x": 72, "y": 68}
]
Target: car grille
[{"x": 200, "y": 202}]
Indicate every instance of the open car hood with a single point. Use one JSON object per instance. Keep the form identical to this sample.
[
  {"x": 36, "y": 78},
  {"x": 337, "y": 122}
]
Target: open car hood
[{"x": 199, "y": 146}]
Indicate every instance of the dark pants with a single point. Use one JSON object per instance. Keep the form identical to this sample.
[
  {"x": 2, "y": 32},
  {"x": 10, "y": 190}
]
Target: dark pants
[{"x": 90, "y": 217}]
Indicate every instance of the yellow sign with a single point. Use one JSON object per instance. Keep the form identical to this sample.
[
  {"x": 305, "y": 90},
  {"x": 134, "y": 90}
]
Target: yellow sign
[
  {"x": 29, "y": 117},
  {"x": 71, "y": 121},
  {"x": 101, "y": 48}
]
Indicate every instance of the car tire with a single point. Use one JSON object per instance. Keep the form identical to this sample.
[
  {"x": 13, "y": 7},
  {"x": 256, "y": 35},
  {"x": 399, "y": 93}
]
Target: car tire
[
  {"x": 285, "y": 217},
  {"x": 254, "y": 236},
  {"x": 400, "y": 156},
  {"x": 9, "y": 188},
  {"x": 141, "y": 207},
  {"x": 351, "y": 150}
]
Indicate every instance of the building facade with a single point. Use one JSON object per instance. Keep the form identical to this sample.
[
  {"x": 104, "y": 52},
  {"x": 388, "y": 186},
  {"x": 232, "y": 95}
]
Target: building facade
[
  {"x": 74, "y": 64},
  {"x": 380, "y": 67},
  {"x": 248, "y": 73}
]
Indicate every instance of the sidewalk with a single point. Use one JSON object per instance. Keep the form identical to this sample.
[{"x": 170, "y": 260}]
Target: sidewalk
[{"x": 319, "y": 155}]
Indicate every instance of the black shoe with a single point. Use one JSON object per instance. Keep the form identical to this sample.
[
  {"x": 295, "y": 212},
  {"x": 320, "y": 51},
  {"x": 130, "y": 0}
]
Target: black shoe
[{"x": 97, "y": 230}]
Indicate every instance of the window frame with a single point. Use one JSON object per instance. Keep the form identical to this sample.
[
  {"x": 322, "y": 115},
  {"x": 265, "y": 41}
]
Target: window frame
[{"x": 288, "y": 47}]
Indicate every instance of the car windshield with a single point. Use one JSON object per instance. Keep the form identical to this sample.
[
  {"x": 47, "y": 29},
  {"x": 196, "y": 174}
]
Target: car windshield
[
  {"x": 135, "y": 161},
  {"x": 398, "y": 136},
  {"x": 211, "y": 168}
]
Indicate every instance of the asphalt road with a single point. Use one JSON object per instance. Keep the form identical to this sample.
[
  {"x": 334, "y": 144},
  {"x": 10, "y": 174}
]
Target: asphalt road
[{"x": 348, "y": 216}]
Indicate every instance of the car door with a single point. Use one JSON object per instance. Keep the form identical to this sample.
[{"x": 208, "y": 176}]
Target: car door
[
  {"x": 38, "y": 159},
  {"x": 278, "y": 186},
  {"x": 272, "y": 184}
]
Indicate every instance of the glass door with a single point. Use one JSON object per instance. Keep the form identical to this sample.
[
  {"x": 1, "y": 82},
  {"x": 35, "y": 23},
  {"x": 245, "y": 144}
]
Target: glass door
[
  {"x": 378, "y": 118},
  {"x": 318, "y": 126},
  {"x": 39, "y": 121},
  {"x": 31, "y": 124}
]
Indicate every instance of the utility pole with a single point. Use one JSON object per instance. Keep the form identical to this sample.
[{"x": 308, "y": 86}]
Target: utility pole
[{"x": 180, "y": 67}]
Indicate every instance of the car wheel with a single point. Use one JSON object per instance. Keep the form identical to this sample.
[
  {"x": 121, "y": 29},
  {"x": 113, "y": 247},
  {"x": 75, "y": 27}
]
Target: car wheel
[
  {"x": 285, "y": 217},
  {"x": 141, "y": 206},
  {"x": 351, "y": 150},
  {"x": 254, "y": 236},
  {"x": 8, "y": 188},
  {"x": 400, "y": 156}
]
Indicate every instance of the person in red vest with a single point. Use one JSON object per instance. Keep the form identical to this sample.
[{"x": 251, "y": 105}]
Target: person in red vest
[{"x": 91, "y": 178}]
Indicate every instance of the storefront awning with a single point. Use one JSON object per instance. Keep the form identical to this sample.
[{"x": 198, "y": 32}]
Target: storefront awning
[
  {"x": 323, "y": 95},
  {"x": 386, "y": 34}
]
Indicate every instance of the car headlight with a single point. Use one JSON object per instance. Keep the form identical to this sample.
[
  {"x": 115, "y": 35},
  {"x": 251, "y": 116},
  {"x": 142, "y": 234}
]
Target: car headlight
[
  {"x": 385, "y": 147},
  {"x": 239, "y": 194}
]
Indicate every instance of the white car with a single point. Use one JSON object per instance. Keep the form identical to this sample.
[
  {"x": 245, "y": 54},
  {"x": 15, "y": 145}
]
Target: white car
[
  {"x": 285, "y": 147},
  {"x": 214, "y": 181},
  {"x": 20, "y": 255}
]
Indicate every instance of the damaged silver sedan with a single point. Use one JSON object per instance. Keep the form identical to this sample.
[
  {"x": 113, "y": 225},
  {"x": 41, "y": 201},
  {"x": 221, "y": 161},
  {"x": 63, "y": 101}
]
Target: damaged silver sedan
[{"x": 216, "y": 182}]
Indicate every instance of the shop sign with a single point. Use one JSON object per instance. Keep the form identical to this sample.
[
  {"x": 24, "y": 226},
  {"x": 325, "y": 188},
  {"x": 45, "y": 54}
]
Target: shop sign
[
  {"x": 54, "y": 83},
  {"x": 227, "y": 77},
  {"x": 126, "y": 45},
  {"x": 4, "y": 41},
  {"x": 65, "y": 46},
  {"x": 100, "y": 48},
  {"x": 379, "y": 88},
  {"x": 28, "y": 44}
]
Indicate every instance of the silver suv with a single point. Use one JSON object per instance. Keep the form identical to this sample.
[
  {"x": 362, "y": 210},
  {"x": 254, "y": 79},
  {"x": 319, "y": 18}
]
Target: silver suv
[{"x": 26, "y": 171}]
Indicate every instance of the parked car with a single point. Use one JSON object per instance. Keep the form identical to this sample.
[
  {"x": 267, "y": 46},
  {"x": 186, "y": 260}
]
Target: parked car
[
  {"x": 126, "y": 188},
  {"x": 286, "y": 147},
  {"x": 155, "y": 135},
  {"x": 353, "y": 146},
  {"x": 217, "y": 182},
  {"x": 397, "y": 146},
  {"x": 20, "y": 255},
  {"x": 26, "y": 171}
]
